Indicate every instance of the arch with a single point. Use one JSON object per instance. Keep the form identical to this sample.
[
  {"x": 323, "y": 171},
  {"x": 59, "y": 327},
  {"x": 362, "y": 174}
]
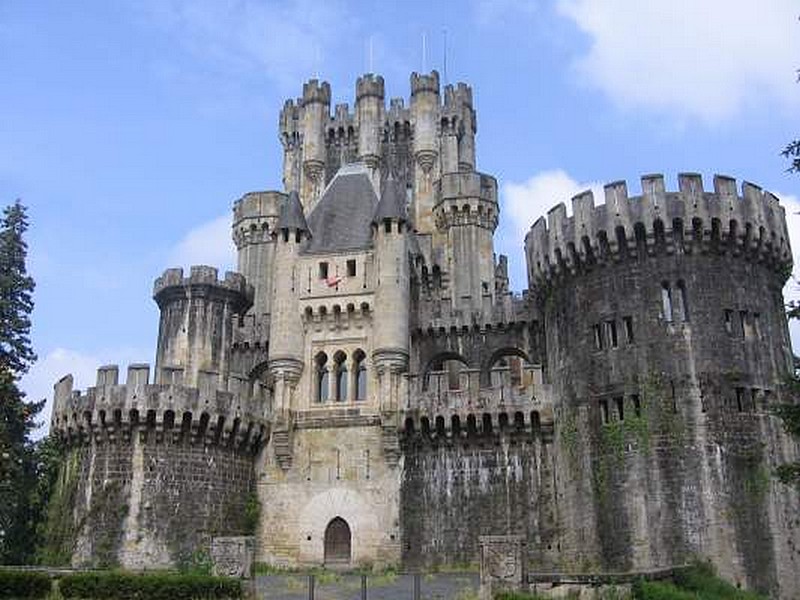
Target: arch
[
  {"x": 440, "y": 426},
  {"x": 321, "y": 383},
  {"x": 472, "y": 424},
  {"x": 359, "y": 375},
  {"x": 338, "y": 542},
  {"x": 437, "y": 363},
  {"x": 409, "y": 426},
  {"x": 486, "y": 369},
  {"x": 341, "y": 374}
]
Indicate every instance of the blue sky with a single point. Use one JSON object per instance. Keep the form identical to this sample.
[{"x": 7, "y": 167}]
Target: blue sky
[{"x": 129, "y": 127}]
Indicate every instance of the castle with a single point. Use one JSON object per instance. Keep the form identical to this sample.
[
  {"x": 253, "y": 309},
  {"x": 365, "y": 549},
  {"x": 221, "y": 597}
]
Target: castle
[{"x": 366, "y": 390}]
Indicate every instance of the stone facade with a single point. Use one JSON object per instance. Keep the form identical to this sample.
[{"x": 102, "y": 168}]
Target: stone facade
[{"x": 367, "y": 390}]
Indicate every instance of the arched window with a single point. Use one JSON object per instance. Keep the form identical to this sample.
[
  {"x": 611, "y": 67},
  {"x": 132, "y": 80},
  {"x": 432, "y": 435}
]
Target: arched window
[
  {"x": 341, "y": 376},
  {"x": 322, "y": 377},
  {"x": 666, "y": 302},
  {"x": 360, "y": 371}
]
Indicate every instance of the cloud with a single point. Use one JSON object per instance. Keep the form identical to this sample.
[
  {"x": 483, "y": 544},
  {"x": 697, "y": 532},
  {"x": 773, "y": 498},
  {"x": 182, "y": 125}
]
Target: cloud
[
  {"x": 207, "y": 244},
  {"x": 703, "y": 60},
  {"x": 38, "y": 382},
  {"x": 494, "y": 12},
  {"x": 285, "y": 41},
  {"x": 525, "y": 202}
]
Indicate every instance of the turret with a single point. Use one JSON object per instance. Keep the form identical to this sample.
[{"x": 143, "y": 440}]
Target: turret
[
  {"x": 369, "y": 118},
  {"x": 458, "y": 104},
  {"x": 290, "y": 130},
  {"x": 196, "y": 328},
  {"x": 467, "y": 211},
  {"x": 255, "y": 216},
  {"x": 424, "y": 117},
  {"x": 316, "y": 113},
  {"x": 391, "y": 324}
]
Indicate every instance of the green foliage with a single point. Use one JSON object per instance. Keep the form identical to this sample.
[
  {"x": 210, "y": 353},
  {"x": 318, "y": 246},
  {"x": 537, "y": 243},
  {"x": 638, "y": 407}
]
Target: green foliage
[
  {"x": 659, "y": 590},
  {"x": 57, "y": 531},
  {"x": 19, "y": 511},
  {"x": 792, "y": 152},
  {"x": 703, "y": 581},
  {"x": 252, "y": 513},
  {"x": 153, "y": 586},
  {"x": 517, "y": 596},
  {"x": 24, "y": 584},
  {"x": 196, "y": 563}
]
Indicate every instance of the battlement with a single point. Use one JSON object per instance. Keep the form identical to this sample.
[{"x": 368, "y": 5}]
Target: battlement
[
  {"x": 111, "y": 411},
  {"x": 457, "y": 96},
  {"x": 316, "y": 91},
  {"x": 203, "y": 276},
  {"x": 458, "y": 186},
  {"x": 424, "y": 83},
  {"x": 369, "y": 85},
  {"x": 753, "y": 224},
  {"x": 254, "y": 205},
  {"x": 289, "y": 121}
]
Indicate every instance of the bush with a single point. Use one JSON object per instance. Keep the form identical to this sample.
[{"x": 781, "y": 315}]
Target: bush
[
  {"x": 703, "y": 581},
  {"x": 24, "y": 584},
  {"x": 659, "y": 590},
  {"x": 155, "y": 586}
]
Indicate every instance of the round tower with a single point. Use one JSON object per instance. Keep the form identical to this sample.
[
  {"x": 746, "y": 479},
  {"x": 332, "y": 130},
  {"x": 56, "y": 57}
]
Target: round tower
[
  {"x": 255, "y": 216},
  {"x": 666, "y": 345},
  {"x": 425, "y": 109},
  {"x": 316, "y": 107},
  {"x": 290, "y": 127},
  {"x": 370, "y": 109},
  {"x": 466, "y": 211},
  {"x": 195, "y": 330}
]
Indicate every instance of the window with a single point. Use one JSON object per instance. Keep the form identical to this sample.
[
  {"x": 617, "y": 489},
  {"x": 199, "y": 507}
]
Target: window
[
  {"x": 682, "y": 308},
  {"x": 729, "y": 320},
  {"x": 743, "y": 322},
  {"x": 740, "y": 399},
  {"x": 598, "y": 337},
  {"x": 666, "y": 302},
  {"x": 360, "y": 369},
  {"x": 620, "y": 405},
  {"x": 323, "y": 270},
  {"x": 757, "y": 324},
  {"x": 322, "y": 383},
  {"x": 351, "y": 268},
  {"x": 628, "y": 325},
  {"x": 637, "y": 405},
  {"x": 341, "y": 377},
  {"x": 611, "y": 333},
  {"x": 604, "y": 411}
]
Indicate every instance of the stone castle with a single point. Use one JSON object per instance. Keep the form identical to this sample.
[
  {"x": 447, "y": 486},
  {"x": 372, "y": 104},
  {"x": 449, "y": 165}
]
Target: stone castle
[{"x": 366, "y": 390}]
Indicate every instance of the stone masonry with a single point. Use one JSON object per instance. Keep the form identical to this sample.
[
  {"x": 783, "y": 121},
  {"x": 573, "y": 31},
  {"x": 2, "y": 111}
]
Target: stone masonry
[{"x": 367, "y": 391}]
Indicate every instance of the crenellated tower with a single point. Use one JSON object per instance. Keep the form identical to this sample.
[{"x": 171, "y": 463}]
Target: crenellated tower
[{"x": 369, "y": 119}]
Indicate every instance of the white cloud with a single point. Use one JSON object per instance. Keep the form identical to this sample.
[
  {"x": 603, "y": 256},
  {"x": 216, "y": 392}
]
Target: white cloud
[
  {"x": 702, "y": 59},
  {"x": 206, "y": 244},
  {"x": 525, "y": 202},
  {"x": 285, "y": 41}
]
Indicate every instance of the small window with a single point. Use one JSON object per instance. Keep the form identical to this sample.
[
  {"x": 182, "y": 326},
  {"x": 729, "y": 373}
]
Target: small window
[
  {"x": 611, "y": 333},
  {"x": 729, "y": 320},
  {"x": 682, "y": 309},
  {"x": 598, "y": 337},
  {"x": 628, "y": 324},
  {"x": 351, "y": 268},
  {"x": 740, "y": 399},
  {"x": 387, "y": 225},
  {"x": 604, "y": 411},
  {"x": 744, "y": 323},
  {"x": 620, "y": 405},
  {"x": 757, "y": 324},
  {"x": 637, "y": 405},
  {"x": 323, "y": 270},
  {"x": 666, "y": 302}
]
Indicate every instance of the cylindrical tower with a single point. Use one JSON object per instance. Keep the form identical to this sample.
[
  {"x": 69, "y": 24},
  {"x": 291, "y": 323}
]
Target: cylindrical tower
[
  {"x": 425, "y": 109},
  {"x": 466, "y": 212},
  {"x": 666, "y": 344},
  {"x": 196, "y": 326},
  {"x": 370, "y": 109},
  {"x": 255, "y": 216},
  {"x": 316, "y": 110},
  {"x": 290, "y": 127}
]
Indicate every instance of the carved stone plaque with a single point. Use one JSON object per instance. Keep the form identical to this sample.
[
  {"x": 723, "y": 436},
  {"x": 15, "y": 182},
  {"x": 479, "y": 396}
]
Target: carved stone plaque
[
  {"x": 233, "y": 556},
  {"x": 502, "y": 562}
]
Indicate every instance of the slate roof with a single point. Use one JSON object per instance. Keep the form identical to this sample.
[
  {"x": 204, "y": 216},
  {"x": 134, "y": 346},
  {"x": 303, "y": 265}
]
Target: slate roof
[
  {"x": 342, "y": 218},
  {"x": 291, "y": 215},
  {"x": 392, "y": 204}
]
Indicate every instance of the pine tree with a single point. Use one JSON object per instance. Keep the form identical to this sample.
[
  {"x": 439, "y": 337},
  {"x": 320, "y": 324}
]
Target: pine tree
[{"x": 18, "y": 464}]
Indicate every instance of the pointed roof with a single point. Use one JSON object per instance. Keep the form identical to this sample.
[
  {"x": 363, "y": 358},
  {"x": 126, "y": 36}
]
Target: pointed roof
[
  {"x": 342, "y": 218},
  {"x": 291, "y": 216},
  {"x": 392, "y": 204}
]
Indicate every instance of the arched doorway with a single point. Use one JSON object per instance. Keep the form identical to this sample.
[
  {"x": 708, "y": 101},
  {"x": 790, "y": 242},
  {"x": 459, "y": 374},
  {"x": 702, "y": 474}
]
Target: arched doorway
[{"x": 337, "y": 542}]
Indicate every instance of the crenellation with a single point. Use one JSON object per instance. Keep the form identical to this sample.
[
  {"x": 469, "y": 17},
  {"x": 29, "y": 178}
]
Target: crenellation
[
  {"x": 315, "y": 91},
  {"x": 424, "y": 83},
  {"x": 369, "y": 85},
  {"x": 551, "y": 246}
]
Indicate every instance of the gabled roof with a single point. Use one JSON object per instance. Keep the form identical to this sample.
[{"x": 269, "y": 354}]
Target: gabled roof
[
  {"x": 342, "y": 218},
  {"x": 291, "y": 215},
  {"x": 392, "y": 204}
]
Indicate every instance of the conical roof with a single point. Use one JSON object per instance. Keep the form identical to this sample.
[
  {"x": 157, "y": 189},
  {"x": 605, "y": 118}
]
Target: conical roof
[
  {"x": 392, "y": 204},
  {"x": 292, "y": 216}
]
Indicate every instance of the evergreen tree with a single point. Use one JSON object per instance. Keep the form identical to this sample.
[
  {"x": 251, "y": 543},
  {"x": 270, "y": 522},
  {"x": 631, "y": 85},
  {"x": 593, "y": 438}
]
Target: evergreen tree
[{"x": 18, "y": 464}]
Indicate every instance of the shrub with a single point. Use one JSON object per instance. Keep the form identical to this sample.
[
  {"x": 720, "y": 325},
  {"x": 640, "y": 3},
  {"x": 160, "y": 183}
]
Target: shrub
[
  {"x": 702, "y": 579},
  {"x": 659, "y": 590},
  {"x": 24, "y": 584},
  {"x": 155, "y": 586}
]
